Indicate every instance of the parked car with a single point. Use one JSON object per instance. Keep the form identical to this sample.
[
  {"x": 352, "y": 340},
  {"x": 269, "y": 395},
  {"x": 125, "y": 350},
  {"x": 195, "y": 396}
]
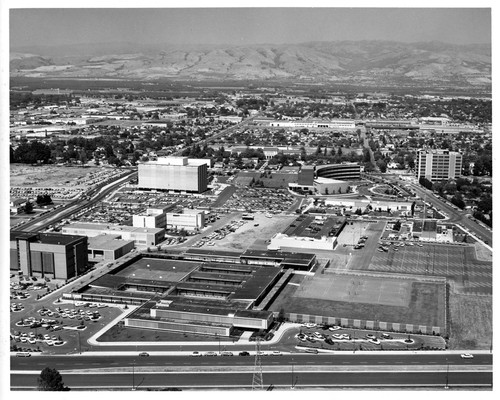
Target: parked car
[
  {"x": 244, "y": 353},
  {"x": 466, "y": 355},
  {"x": 143, "y": 354}
]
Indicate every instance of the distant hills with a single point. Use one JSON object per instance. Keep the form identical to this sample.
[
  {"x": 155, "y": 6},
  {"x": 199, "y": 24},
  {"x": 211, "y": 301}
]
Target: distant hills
[{"x": 353, "y": 62}]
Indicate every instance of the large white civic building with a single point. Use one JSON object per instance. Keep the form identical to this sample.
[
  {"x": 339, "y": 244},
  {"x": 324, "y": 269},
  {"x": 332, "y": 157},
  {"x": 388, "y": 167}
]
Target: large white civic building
[{"x": 175, "y": 174}]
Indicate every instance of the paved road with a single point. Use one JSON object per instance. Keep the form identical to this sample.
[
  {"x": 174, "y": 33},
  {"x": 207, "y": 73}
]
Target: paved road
[
  {"x": 75, "y": 206},
  {"x": 118, "y": 360},
  {"x": 281, "y": 379},
  {"x": 455, "y": 216}
]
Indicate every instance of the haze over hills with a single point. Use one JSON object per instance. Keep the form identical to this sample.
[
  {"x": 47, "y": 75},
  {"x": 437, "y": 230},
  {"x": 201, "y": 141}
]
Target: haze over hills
[{"x": 364, "y": 62}]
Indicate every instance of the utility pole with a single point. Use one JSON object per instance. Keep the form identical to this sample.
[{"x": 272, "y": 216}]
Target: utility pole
[
  {"x": 133, "y": 375},
  {"x": 257, "y": 380},
  {"x": 447, "y": 371}
]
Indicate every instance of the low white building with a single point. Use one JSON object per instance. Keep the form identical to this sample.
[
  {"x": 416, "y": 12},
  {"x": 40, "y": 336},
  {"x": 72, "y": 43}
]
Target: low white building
[
  {"x": 189, "y": 219},
  {"x": 141, "y": 236},
  {"x": 281, "y": 240}
]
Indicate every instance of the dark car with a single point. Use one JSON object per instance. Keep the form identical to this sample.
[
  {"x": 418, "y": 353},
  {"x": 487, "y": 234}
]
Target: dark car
[
  {"x": 143, "y": 354},
  {"x": 244, "y": 353}
]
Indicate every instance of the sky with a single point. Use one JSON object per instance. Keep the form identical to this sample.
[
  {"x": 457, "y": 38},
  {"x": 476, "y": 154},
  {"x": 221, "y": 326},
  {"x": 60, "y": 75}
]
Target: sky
[{"x": 243, "y": 26}]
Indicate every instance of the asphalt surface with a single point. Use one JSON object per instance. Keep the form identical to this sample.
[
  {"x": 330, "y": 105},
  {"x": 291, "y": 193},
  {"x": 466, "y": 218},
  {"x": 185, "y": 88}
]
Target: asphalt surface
[
  {"x": 75, "y": 206},
  {"x": 270, "y": 380},
  {"x": 116, "y": 361}
]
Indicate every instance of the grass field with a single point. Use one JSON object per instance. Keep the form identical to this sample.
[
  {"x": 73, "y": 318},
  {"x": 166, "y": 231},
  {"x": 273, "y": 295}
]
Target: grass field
[
  {"x": 425, "y": 302},
  {"x": 157, "y": 269},
  {"x": 354, "y": 289},
  {"x": 470, "y": 321}
]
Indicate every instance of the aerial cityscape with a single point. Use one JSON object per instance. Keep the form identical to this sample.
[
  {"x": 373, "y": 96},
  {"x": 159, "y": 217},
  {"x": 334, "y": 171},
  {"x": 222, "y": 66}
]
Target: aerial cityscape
[{"x": 250, "y": 199}]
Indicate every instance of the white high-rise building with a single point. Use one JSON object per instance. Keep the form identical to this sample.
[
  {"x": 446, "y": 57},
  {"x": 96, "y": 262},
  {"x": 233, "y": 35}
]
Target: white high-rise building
[
  {"x": 438, "y": 165},
  {"x": 174, "y": 173}
]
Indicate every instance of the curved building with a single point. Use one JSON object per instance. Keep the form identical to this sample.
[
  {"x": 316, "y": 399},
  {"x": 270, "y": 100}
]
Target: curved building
[{"x": 343, "y": 172}]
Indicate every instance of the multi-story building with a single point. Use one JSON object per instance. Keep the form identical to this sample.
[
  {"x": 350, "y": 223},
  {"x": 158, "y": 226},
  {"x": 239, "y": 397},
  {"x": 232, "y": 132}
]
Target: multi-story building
[
  {"x": 141, "y": 236},
  {"x": 343, "y": 172},
  {"x": 152, "y": 218},
  {"x": 49, "y": 255},
  {"x": 108, "y": 248},
  {"x": 330, "y": 124},
  {"x": 437, "y": 165},
  {"x": 175, "y": 174},
  {"x": 188, "y": 219}
]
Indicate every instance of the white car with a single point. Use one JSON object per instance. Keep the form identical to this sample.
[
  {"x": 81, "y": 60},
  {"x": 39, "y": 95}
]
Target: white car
[
  {"x": 334, "y": 328},
  {"x": 466, "y": 355}
]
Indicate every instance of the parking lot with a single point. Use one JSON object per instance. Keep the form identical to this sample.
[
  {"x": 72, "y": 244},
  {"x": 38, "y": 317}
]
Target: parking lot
[
  {"x": 327, "y": 337},
  {"x": 454, "y": 261}
]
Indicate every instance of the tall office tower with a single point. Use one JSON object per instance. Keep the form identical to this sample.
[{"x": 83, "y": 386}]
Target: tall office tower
[
  {"x": 174, "y": 173},
  {"x": 438, "y": 165}
]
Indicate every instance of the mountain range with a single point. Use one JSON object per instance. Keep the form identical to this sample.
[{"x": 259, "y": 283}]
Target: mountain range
[{"x": 362, "y": 62}]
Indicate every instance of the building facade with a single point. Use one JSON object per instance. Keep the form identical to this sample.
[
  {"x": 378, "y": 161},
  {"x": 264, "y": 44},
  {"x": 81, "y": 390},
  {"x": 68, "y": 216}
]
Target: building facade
[
  {"x": 49, "y": 255},
  {"x": 175, "y": 174},
  {"x": 189, "y": 219},
  {"x": 141, "y": 236},
  {"x": 437, "y": 165},
  {"x": 343, "y": 172}
]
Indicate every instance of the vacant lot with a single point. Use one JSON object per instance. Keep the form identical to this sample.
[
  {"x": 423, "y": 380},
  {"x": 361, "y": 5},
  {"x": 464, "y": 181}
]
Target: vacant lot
[
  {"x": 47, "y": 175},
  {"x": 355, "y": 289},
  {"x": 470, "y": 321},
  {"x": 245, "y": 236}
]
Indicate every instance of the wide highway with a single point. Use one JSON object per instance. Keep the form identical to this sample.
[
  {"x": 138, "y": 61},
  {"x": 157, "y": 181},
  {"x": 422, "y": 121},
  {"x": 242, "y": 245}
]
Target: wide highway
[{"x": 122, "y": 372}]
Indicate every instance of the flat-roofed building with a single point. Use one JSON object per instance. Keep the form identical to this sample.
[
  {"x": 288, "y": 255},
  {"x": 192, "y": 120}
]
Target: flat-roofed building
[
  {"x": 108, "y": 247},
  {"x": 141, "y": 236},
  {"x": 175, "y": 174},
  {"x": 438, "y": 165},
  {"x": 149, "y": 220},
  {"x": 50, "y": 255},
  {"x": 189, "y": 219}
]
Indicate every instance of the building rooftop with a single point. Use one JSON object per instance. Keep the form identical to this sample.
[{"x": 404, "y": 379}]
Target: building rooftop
[
  {"x": 46, "y": 238},
  {"x": 108, "y": 227},
  {"x": 107, "y": 242}
]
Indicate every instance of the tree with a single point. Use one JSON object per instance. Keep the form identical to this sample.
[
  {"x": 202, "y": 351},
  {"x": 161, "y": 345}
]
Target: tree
[
  {"x": 28, "y": 208},
  {"x": 43, "y": 199},
  {"x": 51, "y": 380}
]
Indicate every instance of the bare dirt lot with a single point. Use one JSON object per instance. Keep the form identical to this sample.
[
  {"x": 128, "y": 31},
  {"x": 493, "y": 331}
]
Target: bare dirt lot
[
  {"x": 245, "y": 236},
  {"x": 47, "y": 175}
]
